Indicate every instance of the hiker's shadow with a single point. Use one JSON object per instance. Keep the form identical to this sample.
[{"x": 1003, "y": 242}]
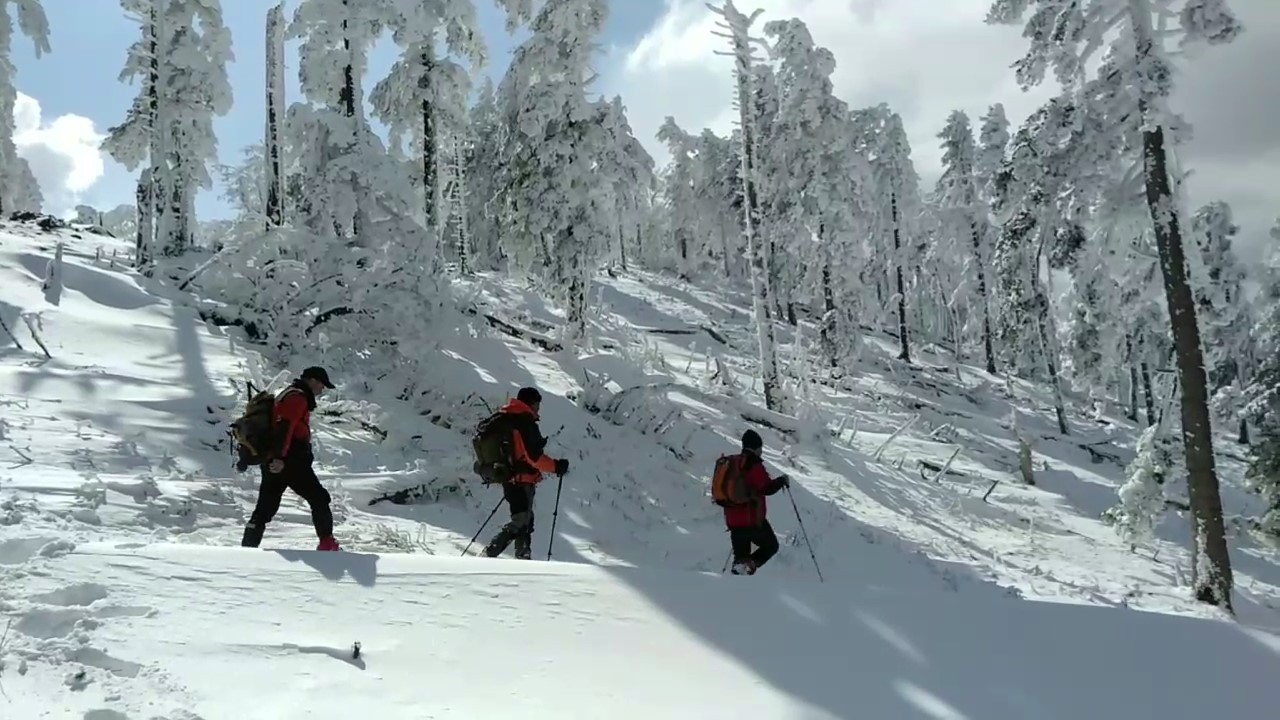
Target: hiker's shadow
[{"x": 361, "y": 567}]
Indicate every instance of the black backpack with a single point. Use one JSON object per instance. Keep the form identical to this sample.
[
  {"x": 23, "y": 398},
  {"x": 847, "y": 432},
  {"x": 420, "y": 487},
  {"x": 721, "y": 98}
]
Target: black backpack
[{"x": 492, "y": 445}]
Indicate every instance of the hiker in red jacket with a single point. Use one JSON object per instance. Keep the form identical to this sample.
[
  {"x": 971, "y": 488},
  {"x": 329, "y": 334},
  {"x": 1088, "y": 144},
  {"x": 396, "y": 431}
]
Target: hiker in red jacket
[
  {"x": 748, "y": 523},
  {"x": 529, "y": 463},
  {"x": 290, "y": 461}
]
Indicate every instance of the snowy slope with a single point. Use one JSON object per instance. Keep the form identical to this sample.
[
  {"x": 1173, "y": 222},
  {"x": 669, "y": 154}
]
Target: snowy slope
[
  {"x": 171, "y": 631},
  {"x": 119, "y": 438}
]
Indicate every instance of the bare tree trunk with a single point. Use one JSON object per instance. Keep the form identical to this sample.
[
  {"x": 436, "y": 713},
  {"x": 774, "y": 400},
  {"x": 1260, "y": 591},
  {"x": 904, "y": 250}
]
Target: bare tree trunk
[
  {"x": 987, "y": 345},
  {"x": 1212, "y": 576},
  {"x": 428, "y": 143},
  {"x": 275, "y": 104},
  {"x": 905, "y": 354}
]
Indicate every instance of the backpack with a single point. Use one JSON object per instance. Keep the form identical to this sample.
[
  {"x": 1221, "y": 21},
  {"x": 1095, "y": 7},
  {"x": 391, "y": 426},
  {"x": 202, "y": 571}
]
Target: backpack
[
  {"x": 729, "y": 483},
  {"x": 492, "y": 445},
  {"x": 253, "y": 432}
]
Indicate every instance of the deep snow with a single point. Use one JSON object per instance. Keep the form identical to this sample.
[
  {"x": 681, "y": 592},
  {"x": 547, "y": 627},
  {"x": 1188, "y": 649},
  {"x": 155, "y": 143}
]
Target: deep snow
[
  {"x": 119, "y": 438},
  {"x": 232, "y": 633}
]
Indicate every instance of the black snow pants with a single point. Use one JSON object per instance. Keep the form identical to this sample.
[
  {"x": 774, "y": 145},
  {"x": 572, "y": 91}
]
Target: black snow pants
[
  {"x": 519, "y": 498},
  {"x": 762, "y": 536},
  {"x": 297, "y": 476}
]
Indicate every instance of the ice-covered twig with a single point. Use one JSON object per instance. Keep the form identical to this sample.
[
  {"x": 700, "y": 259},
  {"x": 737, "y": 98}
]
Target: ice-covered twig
[
  {"x": 9, "y": 332},
  {"x": 36, "y": 336},
  {"x": 887, "y": 441}
]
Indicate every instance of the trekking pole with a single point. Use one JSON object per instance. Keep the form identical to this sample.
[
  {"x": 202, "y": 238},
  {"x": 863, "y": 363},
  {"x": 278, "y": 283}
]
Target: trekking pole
[
  {"x": 554, "y": 514},
  {"x": 482, "y": 526},
  {"x": 805, "y": 533},
  {"x": 727, "y": 560}
]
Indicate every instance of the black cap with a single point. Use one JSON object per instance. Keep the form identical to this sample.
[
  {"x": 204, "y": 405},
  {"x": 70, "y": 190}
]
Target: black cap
[
  {"x": 751, "y": 440},
  {"x": 529, "y": 396},
  {"x": 318, "y": 374}
]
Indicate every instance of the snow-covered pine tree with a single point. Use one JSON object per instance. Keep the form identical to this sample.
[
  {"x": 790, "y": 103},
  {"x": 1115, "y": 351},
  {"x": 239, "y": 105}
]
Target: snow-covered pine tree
[
  {"x": 1263, "y": 394},
  {"x": 198, "y": 90},
  {"x": 630, "y": 170},
  {"x": 18, "y": 188},
  {"x": 139, "y": 136},
  {"x": 718, "y": 193},
  {"x": 1135, "y": 80},
  {"x": 482, "y": 149},
  {"x": 963, "y": 212},
  {"x": 180, "y": 59},
  {"x": 424, "y": 97},
  {"x": 1142, "y": 494},
  {"x": 811, "y": 166},
  {"x": 679, "y": 195},
  {"x": 274, "y": 195},
  {"x": 883, "y": 140},
  {"x": 554, "y": 203},
  {"x": 736, "y": 27},
  {"x": 1225, "y": 311},
  {"x": 344, "y": 166}
]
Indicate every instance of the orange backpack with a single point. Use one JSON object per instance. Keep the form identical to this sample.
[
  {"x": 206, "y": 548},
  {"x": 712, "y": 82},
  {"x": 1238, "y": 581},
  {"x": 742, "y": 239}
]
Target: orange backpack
[{"x": 729, "y": 483}]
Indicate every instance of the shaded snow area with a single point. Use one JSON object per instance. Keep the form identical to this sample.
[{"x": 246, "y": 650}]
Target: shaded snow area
[
  {"x": 952, "y": 590},
  {"x": 229, "y": 633}
]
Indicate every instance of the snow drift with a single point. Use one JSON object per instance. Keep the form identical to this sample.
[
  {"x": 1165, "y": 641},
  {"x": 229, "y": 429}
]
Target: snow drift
[{"x": 163, "y": 630}]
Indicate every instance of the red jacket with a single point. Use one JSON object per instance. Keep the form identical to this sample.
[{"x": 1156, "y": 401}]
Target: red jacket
[
  {"x": 292, "y": 416},
  {"x": 526, "y": 445},
  {"x": 761, "y": 485}
]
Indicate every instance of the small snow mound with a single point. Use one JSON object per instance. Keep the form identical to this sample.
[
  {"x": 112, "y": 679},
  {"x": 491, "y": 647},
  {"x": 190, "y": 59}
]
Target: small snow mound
[
  {"x": 80, "y": 594},
  {"x": 51, "y": 623},
  {"x": 17, "y": 551},
  {"x": 105, "y": 714}
]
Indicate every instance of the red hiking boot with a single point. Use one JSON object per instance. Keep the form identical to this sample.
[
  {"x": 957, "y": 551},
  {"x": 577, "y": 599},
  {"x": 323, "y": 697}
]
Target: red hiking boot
[{"x": 328, "y": 544}]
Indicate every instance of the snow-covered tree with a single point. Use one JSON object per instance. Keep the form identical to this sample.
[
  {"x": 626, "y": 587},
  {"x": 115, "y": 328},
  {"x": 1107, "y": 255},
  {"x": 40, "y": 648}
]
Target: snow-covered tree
[
  {"x": 18, "y": 187},
  {"x": 736, "y": 27},
  {"x": 814, "y": 178},
  {"x": 628, "y": 167},
  {"x": 1142, "y": 494},
  {"x": 1134, "y": 82},
  {"x": 181, "y": 60},
  {"x": 1224, "y": 310},
  {"x": 482, "y": 160},
  {"x": 883, "y": 140},
  {"x": 964, "y": 214},
  {"x": 554, "y": 203},
  {"x": 424, "y": 97}
]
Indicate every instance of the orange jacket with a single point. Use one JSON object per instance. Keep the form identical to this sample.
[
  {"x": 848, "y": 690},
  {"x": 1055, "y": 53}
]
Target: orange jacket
[{"x": 526, "y": 445}]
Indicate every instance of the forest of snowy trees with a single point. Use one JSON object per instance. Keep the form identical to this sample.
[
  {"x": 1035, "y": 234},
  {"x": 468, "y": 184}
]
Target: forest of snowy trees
[{"x": 1059, "y": 249}]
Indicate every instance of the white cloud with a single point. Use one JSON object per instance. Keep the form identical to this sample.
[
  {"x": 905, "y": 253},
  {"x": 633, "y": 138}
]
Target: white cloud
[
  {"x": 926, "y": 58},
  {"x": 64, "y": 154}
]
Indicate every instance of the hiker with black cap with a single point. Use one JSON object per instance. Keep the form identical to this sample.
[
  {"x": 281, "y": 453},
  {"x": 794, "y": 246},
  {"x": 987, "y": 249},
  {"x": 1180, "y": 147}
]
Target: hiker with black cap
[
  {"x": 740, "y": 486},
  {"x": 527, "y": 464},
  {"x": 289, "y": 459}
]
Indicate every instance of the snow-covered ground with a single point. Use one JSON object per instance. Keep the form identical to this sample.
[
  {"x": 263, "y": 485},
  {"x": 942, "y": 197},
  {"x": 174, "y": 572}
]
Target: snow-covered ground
[{"x": 115, "y": 480}]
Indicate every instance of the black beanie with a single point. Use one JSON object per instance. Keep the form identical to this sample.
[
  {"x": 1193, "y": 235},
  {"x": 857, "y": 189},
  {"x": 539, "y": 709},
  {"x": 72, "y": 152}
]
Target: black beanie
[
  {"x": 751, "y": 440},
  {"x": 529, "y": 396}
]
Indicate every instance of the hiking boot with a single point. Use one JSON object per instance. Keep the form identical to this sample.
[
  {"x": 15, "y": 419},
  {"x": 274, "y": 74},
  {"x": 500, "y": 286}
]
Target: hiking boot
[
  {"x": 744, "y": 567},
  {"x": 328, "y": 544}
]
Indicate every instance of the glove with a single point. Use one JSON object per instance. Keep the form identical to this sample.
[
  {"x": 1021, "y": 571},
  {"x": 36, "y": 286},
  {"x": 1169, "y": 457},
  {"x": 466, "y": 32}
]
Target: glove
[
  {"x": 562, "y": 466},
  {"x": 785, "y": 481}
]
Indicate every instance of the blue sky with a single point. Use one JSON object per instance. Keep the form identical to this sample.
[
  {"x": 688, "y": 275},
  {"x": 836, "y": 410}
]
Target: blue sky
[{"x": 89, "y": 39}]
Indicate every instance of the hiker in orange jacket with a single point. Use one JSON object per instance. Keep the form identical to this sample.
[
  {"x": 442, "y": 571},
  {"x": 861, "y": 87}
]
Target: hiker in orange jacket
[{"x": 529, "y": 463}]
